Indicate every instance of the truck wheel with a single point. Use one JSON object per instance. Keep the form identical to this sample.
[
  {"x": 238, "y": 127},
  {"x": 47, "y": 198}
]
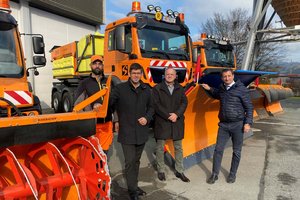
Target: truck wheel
[
  {"x": 67, "y": 102},
  {"x": 56, "y": 102},
  {"x": 115, "y": 81},
  {"x": 37, "y": 104}
]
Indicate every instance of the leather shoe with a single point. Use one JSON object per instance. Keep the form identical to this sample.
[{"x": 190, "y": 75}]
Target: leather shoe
[
  {"x": 141, "y": 192},
  {"x": 182, "y": 177},
  {"x": 212, "y": 179},
  {"x": 134, "y": 197},
  {"x": 231, "y": 179},
  {"x": 161, "y": 176}
]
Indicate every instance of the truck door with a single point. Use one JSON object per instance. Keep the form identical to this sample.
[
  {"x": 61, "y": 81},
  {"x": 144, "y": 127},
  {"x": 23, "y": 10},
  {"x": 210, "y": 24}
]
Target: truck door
[{"x": 119, "y": 51}]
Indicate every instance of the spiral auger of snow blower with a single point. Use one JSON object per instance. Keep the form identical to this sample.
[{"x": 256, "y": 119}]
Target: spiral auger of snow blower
[
  {"x": 54, "y": 156},
  {"x": 89, "y": 168},
  {"x": 16, "y": 181}
]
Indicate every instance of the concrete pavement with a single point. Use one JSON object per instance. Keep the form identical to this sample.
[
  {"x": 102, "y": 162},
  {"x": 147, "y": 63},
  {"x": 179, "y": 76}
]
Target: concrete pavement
[{"x": 269, "y": 168}]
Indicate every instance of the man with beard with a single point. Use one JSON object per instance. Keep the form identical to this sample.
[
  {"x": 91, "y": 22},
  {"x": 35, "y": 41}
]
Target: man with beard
[{"x": 89, "y": 86}]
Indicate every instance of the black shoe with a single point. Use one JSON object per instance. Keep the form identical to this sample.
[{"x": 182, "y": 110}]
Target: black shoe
[
  {"x": 212, "y": 179},
  {"x": 134, "y": 197},
  {"x": 231, "y": 179},
  {"x": 141, "y": 192},
  {"x": 182, "y": 177},
  {"x": 134, "y": 194},
  {"x": 161, "y": 176}
]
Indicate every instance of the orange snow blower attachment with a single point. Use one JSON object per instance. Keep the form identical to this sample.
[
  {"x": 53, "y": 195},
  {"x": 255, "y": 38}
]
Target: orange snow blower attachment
[{"x": 54, "y": 156}]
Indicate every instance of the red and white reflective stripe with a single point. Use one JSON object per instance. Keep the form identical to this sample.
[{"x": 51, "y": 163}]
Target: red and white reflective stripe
[
  {"x": 187, "y": 75},
  {"x": 165, "y": 63},
  {"x": 149, "y": 75},
  {"x": 18, "y": 97}
]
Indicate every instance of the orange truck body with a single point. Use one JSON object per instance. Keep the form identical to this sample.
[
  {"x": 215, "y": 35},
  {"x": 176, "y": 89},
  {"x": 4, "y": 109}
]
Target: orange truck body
[
  {"x": 216, "y": 54},
  {"x": 143, "y": 42},
  {"x": 200, "y": 48},
  {"x": 71, "y": 63},
  {"x": 14, "y": 84},
  {"x": 163, "y": 43}
]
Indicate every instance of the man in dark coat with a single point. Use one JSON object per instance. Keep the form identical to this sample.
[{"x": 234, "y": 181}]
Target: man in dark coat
[
  {"x": 236, "y": 116},
  {"x": 169, "y": 102},
  {"x": 132, "y": 101}
]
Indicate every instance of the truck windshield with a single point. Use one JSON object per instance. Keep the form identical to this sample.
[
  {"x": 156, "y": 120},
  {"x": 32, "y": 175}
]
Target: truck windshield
[
  {"x": 163, "y": 44},
  {"x": 220, "y": 56},
  {"x": 10, "y": 56}
]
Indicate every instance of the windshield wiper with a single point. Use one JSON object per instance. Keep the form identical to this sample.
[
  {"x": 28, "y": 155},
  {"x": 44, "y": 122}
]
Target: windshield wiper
[
  {"x": 181, "y": 54},
  {"x": 217, "y": 63},
  {"x": 3, "y": 75},
  {"x": 221, "y": 63},
  {"x": 229, "y": 63},
  {"x": 159, "y": 52},
  {"x": 164, "y": 53}
]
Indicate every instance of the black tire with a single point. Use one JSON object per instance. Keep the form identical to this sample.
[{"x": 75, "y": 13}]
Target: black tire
[
  {"x": 115, "y": 81},
  {"x": 56, "y": 102},
  {"x": 67, "y": 102},
  {"x": 37, "y": 104}
]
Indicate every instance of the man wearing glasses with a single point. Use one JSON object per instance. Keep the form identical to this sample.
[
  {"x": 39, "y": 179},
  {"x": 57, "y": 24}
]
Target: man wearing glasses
[{"x": 132, "y": 102}]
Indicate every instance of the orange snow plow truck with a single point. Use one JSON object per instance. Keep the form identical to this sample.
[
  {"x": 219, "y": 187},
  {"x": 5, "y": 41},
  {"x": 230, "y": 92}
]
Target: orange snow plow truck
[
  {"x": 53, "y": 156},
  {"x": 211, "y": 55},
  {"x": 155, "y": 41}
]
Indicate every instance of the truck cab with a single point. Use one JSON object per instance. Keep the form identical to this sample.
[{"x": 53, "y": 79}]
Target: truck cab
[
  {"x": 151, "y": 39},
  {"x": 16, "y": 96},
  {"x": 213, "y": 54}
]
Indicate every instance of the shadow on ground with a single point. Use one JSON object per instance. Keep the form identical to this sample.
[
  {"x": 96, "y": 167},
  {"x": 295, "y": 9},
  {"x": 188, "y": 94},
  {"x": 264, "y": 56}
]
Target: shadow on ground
[{"x": 148, "y": 182}]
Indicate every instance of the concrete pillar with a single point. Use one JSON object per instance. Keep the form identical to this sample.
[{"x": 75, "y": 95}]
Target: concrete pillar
[{"x": 258, "y": 15}]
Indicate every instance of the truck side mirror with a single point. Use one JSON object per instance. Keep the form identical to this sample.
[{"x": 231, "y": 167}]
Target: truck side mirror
[
  {"x": 120, "y": 38},
  {"x": 38, "y": 45},
  {"x": 195, "y": 55},
  {"x": 39, "y": 60}
]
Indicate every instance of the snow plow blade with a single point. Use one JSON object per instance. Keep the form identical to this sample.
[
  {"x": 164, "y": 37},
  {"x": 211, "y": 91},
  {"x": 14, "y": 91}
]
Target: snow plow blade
[{"x": 201, "y": 116}]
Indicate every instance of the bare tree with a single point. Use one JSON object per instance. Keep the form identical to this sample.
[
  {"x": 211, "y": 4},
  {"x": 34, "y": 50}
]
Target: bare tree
[{"x": 235, "y": 26}]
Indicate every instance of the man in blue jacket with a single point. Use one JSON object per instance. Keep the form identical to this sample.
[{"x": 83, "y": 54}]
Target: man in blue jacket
[{"x": 236, "y": 116}]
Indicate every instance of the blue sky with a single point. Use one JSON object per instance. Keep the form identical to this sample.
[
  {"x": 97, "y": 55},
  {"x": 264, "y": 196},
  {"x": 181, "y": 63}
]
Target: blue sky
[{"x": 196, "y": 12}]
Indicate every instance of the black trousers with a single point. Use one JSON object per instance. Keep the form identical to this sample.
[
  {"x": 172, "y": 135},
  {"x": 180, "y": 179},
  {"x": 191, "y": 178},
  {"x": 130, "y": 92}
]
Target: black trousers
[
  {"x": 132, "y": 154},
  {"x": 233, "y": 130}
]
